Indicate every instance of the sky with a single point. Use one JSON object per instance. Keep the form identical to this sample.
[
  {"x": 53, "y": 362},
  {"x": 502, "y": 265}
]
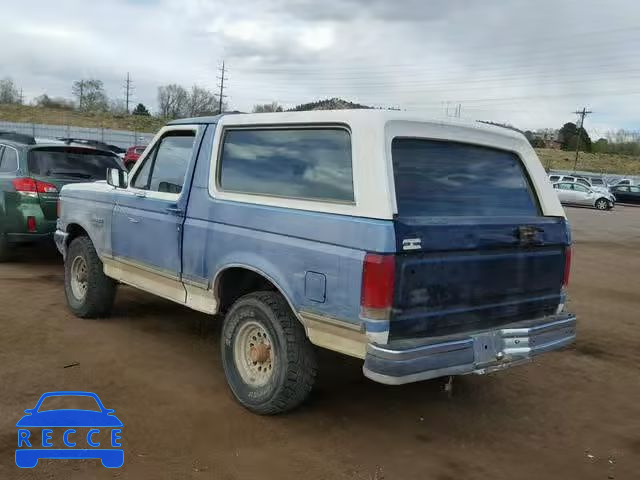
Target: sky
[{"x": 524, "y": 62}]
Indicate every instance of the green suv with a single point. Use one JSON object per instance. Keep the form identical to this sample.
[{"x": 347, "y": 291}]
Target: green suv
[{"x": 31, "y": 176}]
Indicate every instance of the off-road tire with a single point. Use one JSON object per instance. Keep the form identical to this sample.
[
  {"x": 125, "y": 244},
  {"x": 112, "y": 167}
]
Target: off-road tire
[
  {"x": 101, "y": 290},
  {"x": 294, "y": 358}
]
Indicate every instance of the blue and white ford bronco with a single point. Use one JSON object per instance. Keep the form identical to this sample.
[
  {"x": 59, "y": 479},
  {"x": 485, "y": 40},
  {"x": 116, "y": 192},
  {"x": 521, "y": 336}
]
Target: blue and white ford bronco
[{"x": 425, "y": 248}]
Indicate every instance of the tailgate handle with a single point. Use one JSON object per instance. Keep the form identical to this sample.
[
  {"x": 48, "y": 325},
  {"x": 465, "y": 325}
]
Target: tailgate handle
[{"x": 528, "y": 234}]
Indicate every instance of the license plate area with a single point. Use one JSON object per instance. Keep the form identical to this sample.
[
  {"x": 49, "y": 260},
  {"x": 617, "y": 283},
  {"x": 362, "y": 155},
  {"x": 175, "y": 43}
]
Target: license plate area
[{"x": 487, "y": 348}]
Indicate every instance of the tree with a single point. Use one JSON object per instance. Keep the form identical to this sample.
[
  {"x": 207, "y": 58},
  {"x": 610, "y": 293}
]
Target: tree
[
  {"x": 267, "y": 107},
  {"x": 201, "y": 101},
  {"x": 141, "y": 110},
  {"x": 568, "y": 137},
  {"x": 90, "y": 95},
  {"x": 8, "y": 91},
  {"x": 601, "y": 146},
  {"x": 118, "y": 107},
  {"x": 45, "y": 101},
  {"x": 172, "y": 100}
]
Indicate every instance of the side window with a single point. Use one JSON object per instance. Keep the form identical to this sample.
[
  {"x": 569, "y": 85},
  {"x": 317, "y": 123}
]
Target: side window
[
  {"x": 634, "y": 189},
  {"x": 306, "y": 163},
  {"x": 582, "y": 181},
  {"x": 8, "y": 160},
  {"x": 165, "y": 167},
  {"x": 554, "y": 178},
  {"x": 622, "y": 189},
  {"x": 580, "y": 188}
]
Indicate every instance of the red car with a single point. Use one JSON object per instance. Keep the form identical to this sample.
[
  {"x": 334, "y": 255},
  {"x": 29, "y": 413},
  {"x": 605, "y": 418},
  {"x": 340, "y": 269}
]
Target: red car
[{"x": 132, "y": 155}]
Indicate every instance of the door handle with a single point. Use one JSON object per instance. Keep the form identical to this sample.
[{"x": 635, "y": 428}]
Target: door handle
[
  {"x": 133, "y": 220},
  {"x": 174, "y": 210},
  {"x": 140, "y": 194}
]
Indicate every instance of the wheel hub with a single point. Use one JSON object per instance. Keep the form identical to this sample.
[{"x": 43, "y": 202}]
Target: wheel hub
[
  {"x": 79, "y": 275},
  {"x": 253, "y": 354}
]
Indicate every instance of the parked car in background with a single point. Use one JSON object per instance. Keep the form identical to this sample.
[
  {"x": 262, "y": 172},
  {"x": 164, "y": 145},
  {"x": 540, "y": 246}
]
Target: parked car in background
[
  {"x": 31, "y": 177},
  {"x": 577, "y": 194},
  {"x": 17, "y": 137},
  {"x": 580, "y": 180},
  {"x": 624, "y": 181},
  {"x": 95, "y": 144},
  {"x": 598, "y": 182},
  {"x": 408, "y": 253},
  {"x": 132, "y": 155},
  {"x": 627, "y": 193}
]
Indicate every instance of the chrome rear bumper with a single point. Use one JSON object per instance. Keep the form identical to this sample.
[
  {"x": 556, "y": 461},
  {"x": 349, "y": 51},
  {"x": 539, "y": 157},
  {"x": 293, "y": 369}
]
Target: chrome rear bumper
[{"x": 480, "y": 352}]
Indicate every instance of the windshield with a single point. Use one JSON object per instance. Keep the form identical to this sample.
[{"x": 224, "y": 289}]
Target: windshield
[
  {"x": 69, "y": 402},
  {"x": 71, "y": 162},
  {"x": 441, "y": 178}
]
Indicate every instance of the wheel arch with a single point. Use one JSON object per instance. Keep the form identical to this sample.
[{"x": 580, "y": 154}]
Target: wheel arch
[{"x": 225, "y": 297}]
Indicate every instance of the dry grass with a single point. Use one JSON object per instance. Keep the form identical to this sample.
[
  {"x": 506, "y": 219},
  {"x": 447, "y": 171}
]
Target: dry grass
[
  {"x": 53, "y": 116},
  {"x": 591, "y": 162}
]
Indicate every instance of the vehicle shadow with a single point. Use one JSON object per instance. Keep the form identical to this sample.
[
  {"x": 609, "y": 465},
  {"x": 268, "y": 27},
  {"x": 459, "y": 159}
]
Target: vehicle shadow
[{"x": 44, "y": 253}]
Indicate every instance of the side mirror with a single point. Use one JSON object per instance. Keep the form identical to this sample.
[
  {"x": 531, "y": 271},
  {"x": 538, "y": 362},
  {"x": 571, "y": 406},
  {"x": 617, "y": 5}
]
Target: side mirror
[{"x": 117, "y": 178}]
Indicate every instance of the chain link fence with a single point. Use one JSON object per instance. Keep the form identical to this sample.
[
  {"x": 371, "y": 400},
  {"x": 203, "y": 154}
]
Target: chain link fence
[{"x": 42, "y": 132}]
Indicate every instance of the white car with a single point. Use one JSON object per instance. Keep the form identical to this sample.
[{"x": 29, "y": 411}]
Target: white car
[
  {"x": 577, "y": 194},
  {"x": 582, "y": 181}
]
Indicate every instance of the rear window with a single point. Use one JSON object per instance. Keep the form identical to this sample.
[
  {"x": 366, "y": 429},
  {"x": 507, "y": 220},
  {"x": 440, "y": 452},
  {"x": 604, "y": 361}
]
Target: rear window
[
  {"x": 440, "y": 179},
  {"x": 293, "y": 162},
  {"x": 71, "y": 162}
]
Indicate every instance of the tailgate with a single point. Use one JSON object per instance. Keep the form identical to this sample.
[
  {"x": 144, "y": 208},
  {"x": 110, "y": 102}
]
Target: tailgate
[{"x": 471, "y": 277}]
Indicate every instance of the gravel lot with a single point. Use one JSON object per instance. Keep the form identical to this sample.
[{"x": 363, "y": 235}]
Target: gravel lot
[{"x": 569, "y": 415}]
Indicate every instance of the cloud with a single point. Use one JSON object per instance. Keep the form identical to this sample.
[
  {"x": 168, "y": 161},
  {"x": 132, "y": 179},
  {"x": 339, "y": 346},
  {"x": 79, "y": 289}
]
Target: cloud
[{"x": 527, "y": 63}]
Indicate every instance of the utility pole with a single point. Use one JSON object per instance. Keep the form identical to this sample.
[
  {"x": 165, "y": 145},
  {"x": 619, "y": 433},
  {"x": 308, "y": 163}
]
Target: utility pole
[
  {"x": 127, "y": 91},
  {"x": 81, "y": 93},
  {"x": 582, "y": 114},
  {"x": 221, "y": 95},
  {"x": 21, "y": 97}
]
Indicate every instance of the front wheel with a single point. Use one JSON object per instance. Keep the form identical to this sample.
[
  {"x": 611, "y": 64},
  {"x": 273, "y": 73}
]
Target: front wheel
[
  {"x": 89, "y": 291},
  {"x": 269, "y": 363},
  {"x": 603, "y": 204}
]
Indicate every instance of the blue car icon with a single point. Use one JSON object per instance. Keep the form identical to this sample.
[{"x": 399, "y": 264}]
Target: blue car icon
[{"x": 29, "y": 451}]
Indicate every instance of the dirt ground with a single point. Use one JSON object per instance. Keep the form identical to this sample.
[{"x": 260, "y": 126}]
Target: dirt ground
[{"x": 570, "y": 415}]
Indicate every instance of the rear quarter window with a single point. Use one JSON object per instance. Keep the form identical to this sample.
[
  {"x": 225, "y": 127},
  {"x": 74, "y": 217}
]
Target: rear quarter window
[
  {"x": 442, "y": 178},
  {"x": 304, "y": 163}
]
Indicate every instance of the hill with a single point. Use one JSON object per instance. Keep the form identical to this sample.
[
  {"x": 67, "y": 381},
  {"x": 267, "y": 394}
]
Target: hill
[
  {"x": 328, "y": 104},
  {"x": 592, "y": 162},
  {"x": 55, "y": 116}
]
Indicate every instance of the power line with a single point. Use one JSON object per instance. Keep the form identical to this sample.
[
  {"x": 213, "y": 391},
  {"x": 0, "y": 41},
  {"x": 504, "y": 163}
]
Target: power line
[
  {"x": 582, "y": 114},
  {"x": 221, "y": 95}
]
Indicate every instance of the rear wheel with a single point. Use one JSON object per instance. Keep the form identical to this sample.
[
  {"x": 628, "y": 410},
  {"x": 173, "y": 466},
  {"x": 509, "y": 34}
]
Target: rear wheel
[
  {"x": 89, "y": 291},
  {"x": 269, "y": 363},
  {"x": 603, "y": 204}
]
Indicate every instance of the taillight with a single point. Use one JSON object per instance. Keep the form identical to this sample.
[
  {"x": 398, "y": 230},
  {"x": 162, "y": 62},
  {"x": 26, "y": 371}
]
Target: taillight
[
  {"x": 378, "y": 278},
  {"x": 31, "y": 224},
  {"x": 567, "y": 266},
  {"x": 25, "y": 185},
  {"x": 43, "y": 187},
  {"x": 29, "y": 185}
]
